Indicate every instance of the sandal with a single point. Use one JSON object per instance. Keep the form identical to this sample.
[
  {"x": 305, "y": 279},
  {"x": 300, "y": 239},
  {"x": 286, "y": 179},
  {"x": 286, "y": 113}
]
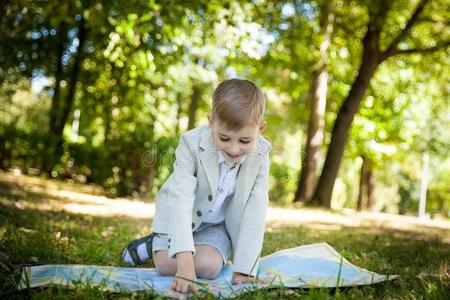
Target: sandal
[{"x": 132, "y": 248}]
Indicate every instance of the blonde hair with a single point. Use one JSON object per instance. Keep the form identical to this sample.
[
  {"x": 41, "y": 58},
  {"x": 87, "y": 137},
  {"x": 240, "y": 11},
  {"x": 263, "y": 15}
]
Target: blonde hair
[{"x": 237, "y": 103}]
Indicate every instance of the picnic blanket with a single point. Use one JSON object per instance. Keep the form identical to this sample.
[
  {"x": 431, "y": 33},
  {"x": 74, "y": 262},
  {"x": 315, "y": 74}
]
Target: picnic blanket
[{"x": 308, "y": 266}]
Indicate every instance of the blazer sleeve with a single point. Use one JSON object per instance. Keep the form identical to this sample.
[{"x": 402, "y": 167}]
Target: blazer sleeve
[
  {"x": 251, "y": 233},
  {"x": 181, "y": 195}
]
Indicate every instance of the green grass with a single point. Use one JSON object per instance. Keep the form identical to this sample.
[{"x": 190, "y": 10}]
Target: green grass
[{"x": 59, "y": 237}]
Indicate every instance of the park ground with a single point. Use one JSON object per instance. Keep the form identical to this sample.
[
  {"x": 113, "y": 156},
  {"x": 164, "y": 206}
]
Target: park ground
[{"x": 47, "y": 222}]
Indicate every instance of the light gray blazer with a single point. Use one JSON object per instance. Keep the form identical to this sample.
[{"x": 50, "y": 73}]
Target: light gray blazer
[{"x": 189, "y": 193}]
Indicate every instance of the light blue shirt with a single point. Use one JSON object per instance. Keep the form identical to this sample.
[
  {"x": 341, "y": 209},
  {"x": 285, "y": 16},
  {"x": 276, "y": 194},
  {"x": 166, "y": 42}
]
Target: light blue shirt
[{"x": 227, "y": 186}]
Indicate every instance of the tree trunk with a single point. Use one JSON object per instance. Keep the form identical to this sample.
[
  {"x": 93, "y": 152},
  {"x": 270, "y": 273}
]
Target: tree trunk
[
  {"x": 54, "y": 110},
  {"x": 322, "y": 195},
  {"x": 362, "y": 185},
  {"x": 179, "y": 112},
  {"x": 3, "y": 155},
  {"x": 73, "y": 77},
  {"x": 2, "y": 9},
  {"x": 195, "y": 100},
  {"x": 318, "y": 100},
  {"x": 370, "y": 188},
  {"x": 48, "y": 159},
  {"x": 68, "y": 103},
  {"x": 372, "y": 58},
  {"x": 315, "y": 136},
  {"x": 370, "y": 62}
]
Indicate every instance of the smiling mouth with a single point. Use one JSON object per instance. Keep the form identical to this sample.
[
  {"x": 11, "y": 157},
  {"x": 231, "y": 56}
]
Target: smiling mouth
[{"x": 232, "y": 156}]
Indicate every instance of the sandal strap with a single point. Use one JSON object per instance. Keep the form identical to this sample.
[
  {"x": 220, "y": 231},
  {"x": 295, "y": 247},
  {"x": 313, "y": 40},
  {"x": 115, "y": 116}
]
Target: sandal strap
[
  {"x": 132, "y": 248},
  {"x": 148, "y": 243}
]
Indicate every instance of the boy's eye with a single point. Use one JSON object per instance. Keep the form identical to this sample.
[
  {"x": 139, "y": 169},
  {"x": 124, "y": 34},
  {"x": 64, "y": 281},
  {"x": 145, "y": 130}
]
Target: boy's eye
[
  {"x": 245, "y": 142},
  {"x": 224, "y": 140}
]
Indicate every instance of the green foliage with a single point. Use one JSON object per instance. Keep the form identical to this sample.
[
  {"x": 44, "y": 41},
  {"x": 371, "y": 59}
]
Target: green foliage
[
  {"x": 439, "y": 193},
  {"x": 142, "y": 60},
  {"x": 280, "y": 177}
]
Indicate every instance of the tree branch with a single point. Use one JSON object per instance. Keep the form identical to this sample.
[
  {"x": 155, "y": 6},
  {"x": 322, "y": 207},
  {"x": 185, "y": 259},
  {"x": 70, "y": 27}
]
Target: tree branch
[
  {"x": 391, "y": 50},
  {"x": 377, "y": 19},
  {"x": 421, "y": 50}
]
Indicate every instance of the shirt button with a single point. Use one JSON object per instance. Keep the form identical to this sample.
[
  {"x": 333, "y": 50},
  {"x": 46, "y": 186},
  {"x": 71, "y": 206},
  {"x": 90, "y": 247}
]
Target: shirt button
[
  {"x": 193, "y": 225},
  {"x": 199, "y": 213},
  {"x": 221, "y": 190},
  {"x": 210, "y": 198},
  {"x": 211, "y": 211}
]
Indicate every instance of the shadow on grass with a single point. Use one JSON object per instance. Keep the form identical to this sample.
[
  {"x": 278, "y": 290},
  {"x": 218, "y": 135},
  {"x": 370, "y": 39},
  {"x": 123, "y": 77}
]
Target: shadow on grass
[
  {"x": 31, "y": 236},
  {"x": 60, "y": 237}
]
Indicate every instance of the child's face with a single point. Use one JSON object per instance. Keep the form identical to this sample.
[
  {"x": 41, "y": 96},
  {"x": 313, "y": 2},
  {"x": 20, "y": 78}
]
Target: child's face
[{"x": 234, "y": 144}]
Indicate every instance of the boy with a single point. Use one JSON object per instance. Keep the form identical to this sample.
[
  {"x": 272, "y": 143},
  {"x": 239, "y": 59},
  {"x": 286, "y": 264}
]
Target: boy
[{"x": 217, "y": 194}]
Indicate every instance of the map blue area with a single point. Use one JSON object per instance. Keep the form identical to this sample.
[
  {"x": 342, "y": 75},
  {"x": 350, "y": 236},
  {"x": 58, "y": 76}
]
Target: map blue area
[
  {"x": 309, "y": 268},
  {"x": 315, "y": 265}
]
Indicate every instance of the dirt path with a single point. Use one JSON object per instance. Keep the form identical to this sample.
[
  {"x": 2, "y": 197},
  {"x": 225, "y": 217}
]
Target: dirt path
[{"x": 50, "y": 195}]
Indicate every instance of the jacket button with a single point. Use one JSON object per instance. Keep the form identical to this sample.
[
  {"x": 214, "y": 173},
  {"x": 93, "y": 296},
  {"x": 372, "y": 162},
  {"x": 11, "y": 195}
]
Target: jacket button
[
  {"x": 168, "y": 247},
  {"x": 199, "y": 213},
  {"x": 210, "y": 198},
  {"x": 193, "y": 225},
  {"x": 169, "y": 240}
]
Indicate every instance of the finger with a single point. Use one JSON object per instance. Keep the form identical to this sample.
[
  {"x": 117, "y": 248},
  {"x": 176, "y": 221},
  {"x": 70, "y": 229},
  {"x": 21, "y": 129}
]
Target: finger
[
  {"x": 175, "y": 282},
  {"x": 175, "y": 286},
  {"x": 194, "y": 288},
  {"x": 180, "y": 287}
]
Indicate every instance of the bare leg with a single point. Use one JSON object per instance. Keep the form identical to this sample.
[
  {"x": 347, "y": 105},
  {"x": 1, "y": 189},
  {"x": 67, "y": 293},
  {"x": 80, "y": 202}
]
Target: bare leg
[
  {"x": 207, "y": 261},
  {"x": 164, "y": 265}
]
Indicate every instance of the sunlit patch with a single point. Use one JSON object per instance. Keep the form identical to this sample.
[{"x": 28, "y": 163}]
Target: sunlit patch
[
  {"x": 325, "y": 227},
  {"x": 277, "y": 216},
  {"x": 47, "y": 195},
  {"x": 57, "y": 197}
]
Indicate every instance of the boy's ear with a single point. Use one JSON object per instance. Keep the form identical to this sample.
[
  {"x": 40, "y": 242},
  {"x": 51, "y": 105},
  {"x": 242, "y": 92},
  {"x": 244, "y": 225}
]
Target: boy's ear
[
  {"x": 210, "y": 121},
  {"x": 262, "y": 127}
]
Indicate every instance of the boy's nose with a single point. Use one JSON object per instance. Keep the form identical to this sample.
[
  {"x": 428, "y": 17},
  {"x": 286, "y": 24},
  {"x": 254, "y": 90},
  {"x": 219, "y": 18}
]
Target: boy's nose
[{"x": 234, "y": 150}]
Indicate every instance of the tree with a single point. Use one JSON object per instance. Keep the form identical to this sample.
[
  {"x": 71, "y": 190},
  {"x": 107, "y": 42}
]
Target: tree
[
  {"x": 59, "y": 112},
  {"x": 373, "y": 55},
  {"x": 366, "y": 186},
  {"x": 317, "y": 99}
]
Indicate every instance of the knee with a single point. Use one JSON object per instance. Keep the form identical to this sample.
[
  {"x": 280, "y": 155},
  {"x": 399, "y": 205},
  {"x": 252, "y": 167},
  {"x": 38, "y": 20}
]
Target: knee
[{"x": 207, "y": 268}]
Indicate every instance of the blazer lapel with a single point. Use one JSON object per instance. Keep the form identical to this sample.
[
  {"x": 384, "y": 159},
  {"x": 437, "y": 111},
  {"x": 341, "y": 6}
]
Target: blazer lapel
[
  {"x": 210, "y": 160},
  {"x": 249, "y": 171},
  {"x": 246, "y": 178}
]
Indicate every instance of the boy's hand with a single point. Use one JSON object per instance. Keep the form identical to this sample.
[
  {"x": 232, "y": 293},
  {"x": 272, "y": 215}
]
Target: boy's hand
[
  {"x": 239, "y": 278},
  {"x": 185, "y": 269}
]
